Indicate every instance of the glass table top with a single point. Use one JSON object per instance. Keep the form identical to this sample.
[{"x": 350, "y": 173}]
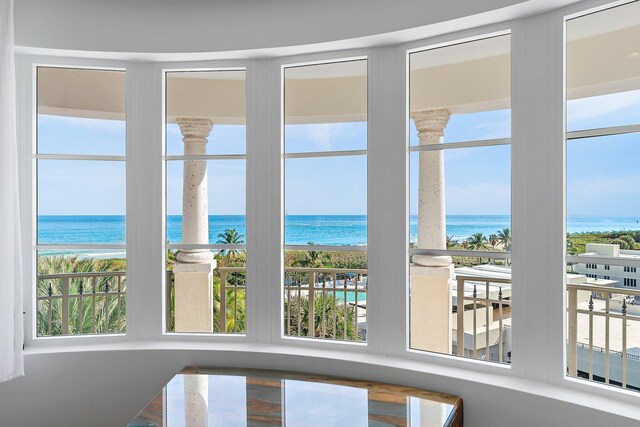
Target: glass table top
[{"x": 229, "y": 398}]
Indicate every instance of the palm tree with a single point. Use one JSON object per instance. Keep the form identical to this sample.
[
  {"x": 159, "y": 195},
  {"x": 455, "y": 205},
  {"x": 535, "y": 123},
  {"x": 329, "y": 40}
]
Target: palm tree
[
  {"x": 493, "y": 240},
  {"x": 477, "y": 242},
  {"x": 451, "y": 242},
  {"x": 504, "y": 237},
  {"x": 230, "y": 237}
]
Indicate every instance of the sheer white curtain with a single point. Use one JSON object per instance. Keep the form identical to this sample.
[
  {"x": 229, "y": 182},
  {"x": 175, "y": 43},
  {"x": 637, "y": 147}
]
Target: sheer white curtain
[{"x": 10, "y": 265}]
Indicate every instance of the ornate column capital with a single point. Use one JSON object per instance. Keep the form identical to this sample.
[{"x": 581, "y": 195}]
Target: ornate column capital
[
  {"x": 430, "y": 123},
  {"x": 194, "y": 127}
]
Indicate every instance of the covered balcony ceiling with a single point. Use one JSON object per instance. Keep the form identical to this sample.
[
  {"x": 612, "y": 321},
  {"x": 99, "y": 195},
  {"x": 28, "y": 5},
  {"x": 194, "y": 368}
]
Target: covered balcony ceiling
[{"x": 456, "y": 78}]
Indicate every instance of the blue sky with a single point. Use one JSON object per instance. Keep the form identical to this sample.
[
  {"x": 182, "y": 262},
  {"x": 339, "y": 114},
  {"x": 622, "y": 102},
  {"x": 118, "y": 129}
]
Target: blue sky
[{"x": 599, "y": 171}]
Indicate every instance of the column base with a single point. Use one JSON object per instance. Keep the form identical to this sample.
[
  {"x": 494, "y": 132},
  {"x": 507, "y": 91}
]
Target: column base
[
  {"x": 195, "y": 257},
  {"x": 193, "y": 288},
  {"x": 430, "y": 307},
  {"x": 431, "y": 260}
]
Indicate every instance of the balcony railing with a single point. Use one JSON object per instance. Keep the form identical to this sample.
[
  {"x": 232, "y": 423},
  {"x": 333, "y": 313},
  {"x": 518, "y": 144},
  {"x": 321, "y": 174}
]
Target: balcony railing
[
  {"x": 325, "y": 303},
  {"x": 330, "y": 303},
  {"x": 609, "y": 317},
  {"x": 334, "y": 309},
  {"x": 233, "y": 291},
  {"x": 81, "y": 303},
  {"x": 483, "y": 299}
]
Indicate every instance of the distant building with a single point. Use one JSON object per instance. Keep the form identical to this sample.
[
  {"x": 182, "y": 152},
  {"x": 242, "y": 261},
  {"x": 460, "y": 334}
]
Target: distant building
[{"x": 620, "y": 276}]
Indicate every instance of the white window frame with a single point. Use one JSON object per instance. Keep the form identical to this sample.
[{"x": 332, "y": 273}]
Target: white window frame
[
  {"x": 512, "y": 29},
  {"x": 26, "y": 80},
  {"x": 201, "y": 67},
  {"x": 557, "y": 21},
  {"x": 77, "y": 157},
  {"x": 278, "y": 67}
]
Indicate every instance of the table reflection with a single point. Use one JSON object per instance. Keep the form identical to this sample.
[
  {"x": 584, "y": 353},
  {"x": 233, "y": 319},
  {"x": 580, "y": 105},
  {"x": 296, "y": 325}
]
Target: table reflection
[{"x": 264, "y": 398}]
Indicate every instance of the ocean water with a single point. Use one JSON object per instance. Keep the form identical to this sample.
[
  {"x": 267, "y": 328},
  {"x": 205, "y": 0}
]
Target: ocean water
[{"x": 329, "y": 230}]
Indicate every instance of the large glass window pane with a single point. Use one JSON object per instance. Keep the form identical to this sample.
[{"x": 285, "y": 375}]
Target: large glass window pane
[
  {"x": 228, "y": 284},
  {"x": 460, "y": 199},
  {"x": 325, "y": 201},
  {"x": 602, "y": 213},
  {"x": 326, "y": 107},
  {"x": 471, "y": 81},
  {"x": 601, "y": 205},
  {"x": 216, "y": 95},
  {"x": 81, "y": 202},
  {"x": 205, "y": 288},
  {"x": 325, "y": 294},
  {"x": 81, "y": 292},
  {"x": 81, "y": 111},
  {"x": 603, "y": 65},
  {"x": 477, "y": 198},
  {"x": 225, "y": 198}
]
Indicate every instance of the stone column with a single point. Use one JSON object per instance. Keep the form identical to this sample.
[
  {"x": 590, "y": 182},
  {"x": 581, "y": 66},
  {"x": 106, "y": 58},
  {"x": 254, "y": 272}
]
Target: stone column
[
  {"x": 431, "y": 275},
  {"x": 194, "y": 270},
  {"x": 432, "y": 230}
]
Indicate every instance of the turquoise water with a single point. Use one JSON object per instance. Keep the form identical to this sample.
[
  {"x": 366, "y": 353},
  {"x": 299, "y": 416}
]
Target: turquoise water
[{"x": 332, "y": 230}]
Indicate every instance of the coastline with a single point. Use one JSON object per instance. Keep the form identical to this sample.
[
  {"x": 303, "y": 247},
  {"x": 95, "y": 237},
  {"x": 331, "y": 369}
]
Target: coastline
[{"x": 327, "y": 230}]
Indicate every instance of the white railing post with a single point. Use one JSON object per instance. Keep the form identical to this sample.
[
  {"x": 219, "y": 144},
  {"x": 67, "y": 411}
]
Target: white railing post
[
  {"x": 222, "y": 321},
  {"x": 80, "y": 297},
  {"x": 312, "y": 305},
  {"x": 572, "y": 351},
  {"x": 460, "y": 317},
  {"x": 624, "y": 343},
  {"x": 591, "y": 336},
  {"x": 65, "y": 305},
  {"x": 606, "y": 338},
  {"x": 488, "y": 306},
  {"x": 500, "y": 326}
]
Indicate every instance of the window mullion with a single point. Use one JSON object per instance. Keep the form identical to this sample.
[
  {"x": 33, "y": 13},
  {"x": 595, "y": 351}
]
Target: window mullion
[
  {"x": 386, "y": 202},
  {"x": 144, "y": 202},
  {"x": 262, "y": 196},
  {"x": 537, "y": 203}
]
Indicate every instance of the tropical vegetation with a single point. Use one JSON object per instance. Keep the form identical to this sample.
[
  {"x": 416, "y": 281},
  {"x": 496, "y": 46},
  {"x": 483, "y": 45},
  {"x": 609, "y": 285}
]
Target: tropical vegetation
[
  {"x": 332, "y": 318},
  {"x": 576, "y": 242},
  {"x": 230, "y": 237},
  {"x": 92, "y": 309}
]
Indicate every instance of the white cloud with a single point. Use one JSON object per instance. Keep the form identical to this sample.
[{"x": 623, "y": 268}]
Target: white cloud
[
  {"x": 582, "y": 111},
  {"x": 321, "y": 135}
]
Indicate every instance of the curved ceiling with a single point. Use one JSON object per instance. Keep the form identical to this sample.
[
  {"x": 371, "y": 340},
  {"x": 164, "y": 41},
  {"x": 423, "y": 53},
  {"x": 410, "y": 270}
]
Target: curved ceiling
[{"x": 195, "y": 26}]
